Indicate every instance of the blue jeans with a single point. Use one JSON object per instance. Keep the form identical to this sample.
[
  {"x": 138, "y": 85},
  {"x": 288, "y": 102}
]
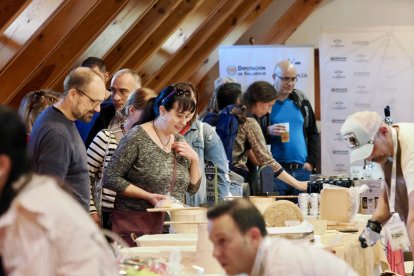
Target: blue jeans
[{"x": 285, "y": 189}]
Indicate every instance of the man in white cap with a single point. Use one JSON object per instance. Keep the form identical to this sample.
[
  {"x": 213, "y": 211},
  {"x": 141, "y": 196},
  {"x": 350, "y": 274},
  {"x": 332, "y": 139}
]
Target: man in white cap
[{"x": 368, "y": 137}]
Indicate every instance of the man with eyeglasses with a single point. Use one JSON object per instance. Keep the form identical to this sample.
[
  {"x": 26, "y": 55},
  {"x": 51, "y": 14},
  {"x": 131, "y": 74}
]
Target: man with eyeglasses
[
  {"x": 123, "y": 83},
  {"x": 299, "y": 155},
  {"x": 97, "y": 65},
  {"x": 55, "y": 144}
]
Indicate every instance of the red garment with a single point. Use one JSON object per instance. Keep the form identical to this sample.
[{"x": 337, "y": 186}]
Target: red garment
[
  {"x": 395, "y": 260},
  {"x": 184, "y": 130}
]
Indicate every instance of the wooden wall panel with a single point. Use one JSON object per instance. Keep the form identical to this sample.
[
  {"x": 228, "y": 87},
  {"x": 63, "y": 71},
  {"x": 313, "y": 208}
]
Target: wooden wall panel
[
  {"x": 24, "y": 25},
  {"x": 231, "y": 38},
  {"x": 8, "y": 10},
  {"x": 120, "y": 26},
  {"x": 139, "y": 33},
  {"x": 208, "y": 34},
  {"x": 73, "y": 44},
  {"x": 177, "y": 38},
  {"x": 31, "y": 57},
  {"x": 289, "y": 22},
  {"x": 144, "y": 49}
]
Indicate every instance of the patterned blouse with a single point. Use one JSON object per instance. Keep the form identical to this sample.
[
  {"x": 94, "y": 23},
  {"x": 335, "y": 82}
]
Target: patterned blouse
[
  {"x": 139, "y": 161},
  {"x": 250, "y": 133}
]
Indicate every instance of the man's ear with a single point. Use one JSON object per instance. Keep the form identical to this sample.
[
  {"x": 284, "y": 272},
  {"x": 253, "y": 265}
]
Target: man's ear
[
  {"x": 383, "y": 130},
  {"x": 255, "y": 235},
  {"x": 72, "y": 93},
  {"x": 106, "y": 77}
]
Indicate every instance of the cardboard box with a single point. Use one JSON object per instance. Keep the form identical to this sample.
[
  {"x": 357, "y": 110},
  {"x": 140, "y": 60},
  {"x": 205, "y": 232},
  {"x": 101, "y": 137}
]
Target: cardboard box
[{"x": 369, "y": 199}]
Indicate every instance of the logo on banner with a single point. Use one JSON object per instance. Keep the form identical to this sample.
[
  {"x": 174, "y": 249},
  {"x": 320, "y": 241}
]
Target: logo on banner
[
  {"x": 360, "y": 42},
  {"x": 338, "y": 74},
  {"x": 362, "y": 89},
  {"x": 339, "y": 106},
  {"x": 340, "y": 152},
  {"x": 361, "y": 74},
  {"x": 258, "y": 70},
  {"x": 338, "y": 121},
  {"x": 361, "y": 58},
  {"x": 338, "y": 59},
  {"x": 231, "y": 70},
  {"x": 363, "y": 105},
  {"x": 337, "y": 43},
  {"x": 339, "y": 90}
]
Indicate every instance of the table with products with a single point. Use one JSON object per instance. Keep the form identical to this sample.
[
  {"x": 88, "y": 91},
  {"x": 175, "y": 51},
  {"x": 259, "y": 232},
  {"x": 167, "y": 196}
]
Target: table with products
[{"x": 369, "y": 261}]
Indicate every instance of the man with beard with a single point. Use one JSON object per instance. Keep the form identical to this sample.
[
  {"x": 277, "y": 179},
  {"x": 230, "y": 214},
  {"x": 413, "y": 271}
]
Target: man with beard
[
  {"x": 368, "y": 137},
  {"x": 123, "y": 83},
  {"x": 55, "y": 144}
]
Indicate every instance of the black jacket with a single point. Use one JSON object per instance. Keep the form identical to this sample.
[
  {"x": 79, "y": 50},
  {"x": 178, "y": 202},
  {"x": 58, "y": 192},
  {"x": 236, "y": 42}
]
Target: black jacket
[
  {"x": 310, "y": 129},
  {"x": 103, "y": 120}
]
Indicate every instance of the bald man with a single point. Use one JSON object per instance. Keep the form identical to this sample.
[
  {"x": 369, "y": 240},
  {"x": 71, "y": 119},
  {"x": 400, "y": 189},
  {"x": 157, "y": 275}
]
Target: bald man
[
  {"x": 299, "y": 156},
  {"x": 55, "y": 143}
]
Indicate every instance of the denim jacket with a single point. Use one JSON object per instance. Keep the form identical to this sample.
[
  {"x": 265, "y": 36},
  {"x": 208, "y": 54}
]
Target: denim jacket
[{"x": 208, "y": 148}]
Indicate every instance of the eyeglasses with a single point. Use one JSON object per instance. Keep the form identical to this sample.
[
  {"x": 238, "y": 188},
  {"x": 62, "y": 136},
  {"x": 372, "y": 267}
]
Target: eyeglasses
[
  {"x": 180, "y": 89},
  {"x": 94, "y": 103},
  {"x": 287, "y": 79}
]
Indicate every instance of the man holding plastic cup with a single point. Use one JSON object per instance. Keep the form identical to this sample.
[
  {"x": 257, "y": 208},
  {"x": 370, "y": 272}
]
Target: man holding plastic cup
[{"x": 292, "y": 130}]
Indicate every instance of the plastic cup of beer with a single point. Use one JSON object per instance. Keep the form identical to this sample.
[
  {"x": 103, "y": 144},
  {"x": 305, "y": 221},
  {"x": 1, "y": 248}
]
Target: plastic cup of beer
[{"x": 285, "y": 135}]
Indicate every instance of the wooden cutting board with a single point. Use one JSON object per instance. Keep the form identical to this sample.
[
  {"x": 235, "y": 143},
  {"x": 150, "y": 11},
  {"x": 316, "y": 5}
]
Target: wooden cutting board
[{"x": 343, "y": 226}]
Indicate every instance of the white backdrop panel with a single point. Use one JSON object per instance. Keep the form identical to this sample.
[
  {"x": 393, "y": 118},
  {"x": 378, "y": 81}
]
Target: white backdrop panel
[
  {"x": 362, "y": 69},
  {"x": 248, "y": 64}
]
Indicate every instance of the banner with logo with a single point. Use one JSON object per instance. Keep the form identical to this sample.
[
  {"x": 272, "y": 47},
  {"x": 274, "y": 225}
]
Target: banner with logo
[
  {"x": 248, "y": 64},
  {"x": 362, "y": 69}
]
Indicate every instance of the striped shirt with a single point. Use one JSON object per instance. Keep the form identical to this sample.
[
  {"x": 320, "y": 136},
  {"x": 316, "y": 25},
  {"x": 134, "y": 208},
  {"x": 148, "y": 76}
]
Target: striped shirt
[{"x": 99, "y": 154}]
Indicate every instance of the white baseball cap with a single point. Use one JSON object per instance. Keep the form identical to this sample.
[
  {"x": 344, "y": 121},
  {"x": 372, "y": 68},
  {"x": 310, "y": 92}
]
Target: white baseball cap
[{"x": 359, "y": 130}]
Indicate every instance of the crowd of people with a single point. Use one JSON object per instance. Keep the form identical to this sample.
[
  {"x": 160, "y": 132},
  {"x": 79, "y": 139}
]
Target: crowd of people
[{"x": 91, "y": 158}]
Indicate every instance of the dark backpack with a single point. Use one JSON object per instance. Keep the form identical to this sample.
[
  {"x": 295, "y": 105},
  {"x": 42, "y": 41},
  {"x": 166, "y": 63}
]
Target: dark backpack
[{"x": 226, "y": 125}]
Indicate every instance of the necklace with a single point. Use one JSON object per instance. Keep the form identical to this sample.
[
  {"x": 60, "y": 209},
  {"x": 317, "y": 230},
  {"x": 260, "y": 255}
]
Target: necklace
[{"x": 164, "y": 147}]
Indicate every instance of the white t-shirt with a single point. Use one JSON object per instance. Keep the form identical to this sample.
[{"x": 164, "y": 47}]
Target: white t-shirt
[
  {"x": 46, "y": 232},
  {"x": 406, "y": 138},
  {"x": 278, "y": 256}
]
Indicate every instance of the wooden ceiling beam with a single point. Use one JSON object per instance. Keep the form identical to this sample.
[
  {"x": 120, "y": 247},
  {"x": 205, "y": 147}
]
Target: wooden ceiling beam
[
  {"x": 232, "y": 37},
  {"x": 178, "y": 37},
  {"x": 71, "y": 46},
  {"x": 9, "y": 9},
  {"x": 139, "y": 33},
  {"x": 208, "y": 35},
  {"x": 40, "y": 45},
  {"x": 289, "y": 22},
  {"x": 23, "y": 26},
  {"x": 144, "y": 49},
  {"x": 120, "y": 25}
]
